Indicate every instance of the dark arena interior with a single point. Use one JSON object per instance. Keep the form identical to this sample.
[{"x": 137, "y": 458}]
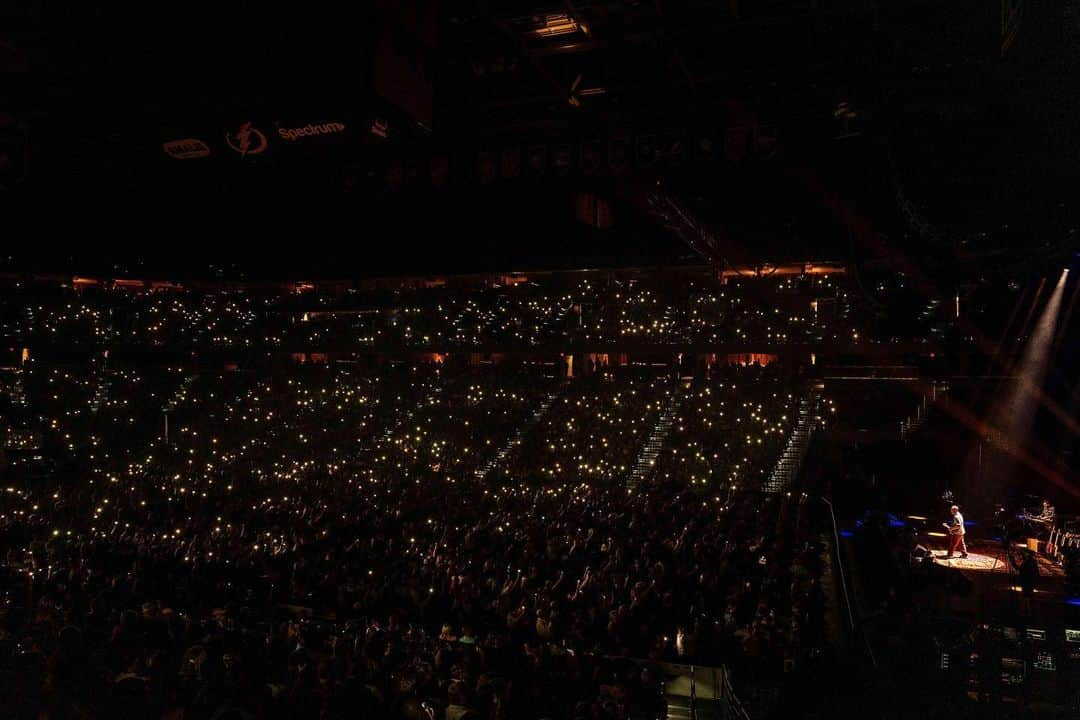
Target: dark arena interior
[{"x": 511, "y": 360}]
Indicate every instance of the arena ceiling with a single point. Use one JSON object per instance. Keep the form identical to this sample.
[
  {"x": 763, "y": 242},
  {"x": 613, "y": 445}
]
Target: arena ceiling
[{"x": 780, "y": 124}]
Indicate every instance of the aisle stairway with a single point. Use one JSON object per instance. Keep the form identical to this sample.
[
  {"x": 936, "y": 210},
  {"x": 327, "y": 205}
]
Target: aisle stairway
[
  {"x": 650, "y": 451},
  {"x": 681, "y": 708},
  {"x": 911, "y": 425},
  {"x": 432, "y": 398},
  {"x": 181, "y": 393},
  {"x": 787, "y": 466},
  {"x": 697, "y": 692},
  {"x": 17, "y": 390},
  {"x": 504, "y": 452},
  {"x": 102, "y": 383}
]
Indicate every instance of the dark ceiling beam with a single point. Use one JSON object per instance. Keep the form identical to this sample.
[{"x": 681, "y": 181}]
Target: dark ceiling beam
[
  {"x": 675, "y": 27},
  {"x": 578, "y": 17},
  {"x": 677, "y": 57},
  {"x": 721, "y": 81},
  {"x": 535, "y": 62},
  {"x": 572, "y": 47}
]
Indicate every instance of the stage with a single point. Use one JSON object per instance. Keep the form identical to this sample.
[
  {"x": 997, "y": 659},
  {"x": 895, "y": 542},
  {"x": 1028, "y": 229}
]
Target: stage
[
  {"x": 987, "y": 556},
  {"x": 989, "y": 561},
  {"x": 994, "y": 592}
]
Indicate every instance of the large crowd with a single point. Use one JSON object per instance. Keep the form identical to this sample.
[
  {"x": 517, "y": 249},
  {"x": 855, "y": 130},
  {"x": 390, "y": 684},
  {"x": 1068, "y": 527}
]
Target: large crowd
[
  {"x": 396, "y": 539},
  {"x": 523, "y": 313}
]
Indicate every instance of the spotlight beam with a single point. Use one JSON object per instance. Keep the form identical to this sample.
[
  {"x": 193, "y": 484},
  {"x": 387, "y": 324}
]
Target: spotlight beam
[
  {"x": 1061, "y": 476},
  {"x": 1064, "y": 326},
  {"x": 1025, "y": 327},
  {"x": 1016, "y": 415}
]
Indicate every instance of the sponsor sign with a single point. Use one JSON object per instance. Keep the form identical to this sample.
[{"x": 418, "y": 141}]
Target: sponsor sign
[
  {"x": 186, "y": 149},
  {"x": 312, "y": 130},
  {"x": 247, "y": 140}
]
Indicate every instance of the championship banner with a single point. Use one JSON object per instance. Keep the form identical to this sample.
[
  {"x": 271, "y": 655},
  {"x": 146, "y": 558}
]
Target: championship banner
[
  {"x": 588, "y": 157},
  {"x": 618, "y": 154},
  {"x": 395, "y": 175},
  {"x": 564, "y": 158},
  {"x": 485, "y": 167},
  {"x": 538, "y": 158},
  {"x": 646, "y": 151},
  {"x": 672, "y": 148},
  {"x": 704, "y": 149},
  {"x": 591, "y": 157},
  {"x": 736, "y": 140},
  {"x": 415, "y": 169},
  {"x": 765, "y": 137},
  {"x": 439, "y": 167},
  {"x": 510, "y": 162}
]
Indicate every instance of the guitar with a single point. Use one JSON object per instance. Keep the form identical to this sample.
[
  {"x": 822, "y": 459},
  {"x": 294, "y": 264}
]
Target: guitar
[{"x": 1038, "y": 519}]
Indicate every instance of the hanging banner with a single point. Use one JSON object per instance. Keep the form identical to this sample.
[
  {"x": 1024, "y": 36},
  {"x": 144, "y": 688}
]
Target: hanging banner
[
  {"x": 618, "y": 154},
  {"x": 510, "y": 162},
  {"x": 538, "y": 159},
  {"x": 736, "y": 140},
  {"x": 186, "y": 149},
  {"x": 439, "y": 167},
  {"x": 672, "y": 148},
  {"x": 592, "y": 155},
  {"x": 247, "y": 140},
  {"x": 485, "y": 167},
  {"x": 563, "y": 159},
  {"x": 646, "y": 151},
  {"x": 310, "y": 130}
]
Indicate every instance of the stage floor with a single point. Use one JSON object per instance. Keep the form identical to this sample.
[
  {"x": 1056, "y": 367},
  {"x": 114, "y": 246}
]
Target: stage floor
[
  {"x": 995, "y": 594},
  {"x": 987, "y": 556}
]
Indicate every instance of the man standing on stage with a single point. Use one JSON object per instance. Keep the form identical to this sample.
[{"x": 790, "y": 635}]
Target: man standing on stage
[{"x": 956, "y": 533}]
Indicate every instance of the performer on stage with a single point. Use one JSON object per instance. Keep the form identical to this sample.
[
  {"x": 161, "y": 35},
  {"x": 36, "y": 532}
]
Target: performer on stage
[
  {"x": 956, "y": 533},
  {"x": 1045, "y": 518}
]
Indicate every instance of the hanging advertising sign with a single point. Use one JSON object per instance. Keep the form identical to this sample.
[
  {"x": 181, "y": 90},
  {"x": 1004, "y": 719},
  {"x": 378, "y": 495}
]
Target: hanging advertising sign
[
  {"x": 247, "y": 140},
  {"x": 311, "y": 130},
  {"x": 186, "y": 149}
]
